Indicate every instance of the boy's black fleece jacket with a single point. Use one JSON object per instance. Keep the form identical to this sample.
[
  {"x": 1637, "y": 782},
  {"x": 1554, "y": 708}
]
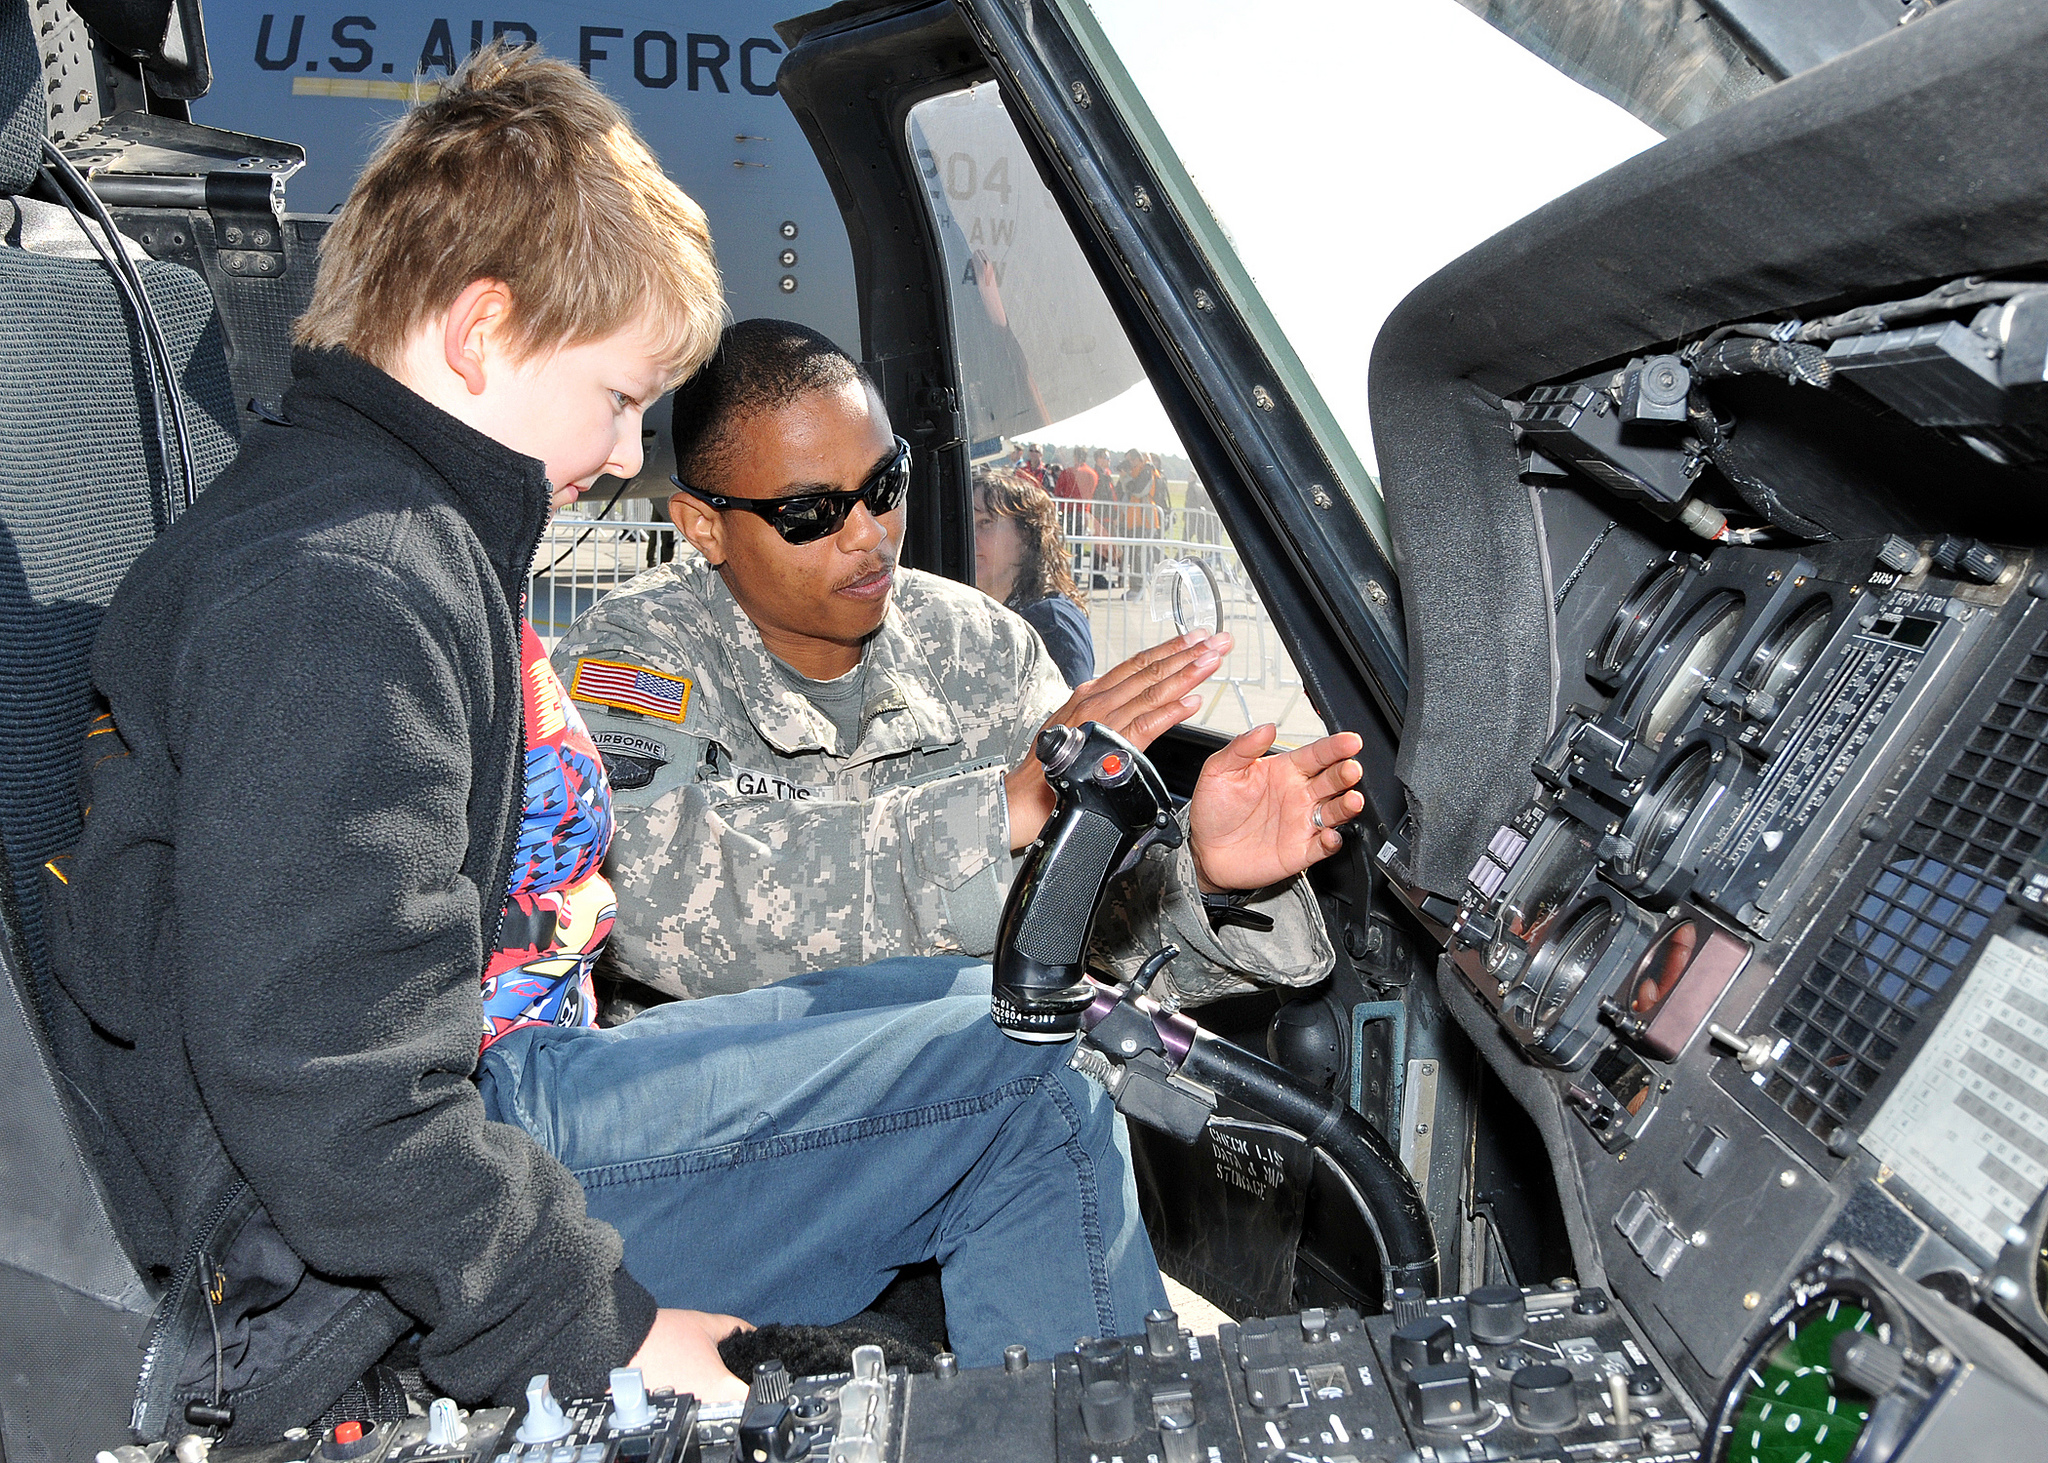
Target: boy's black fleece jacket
[{"x": 272, "y": 933}]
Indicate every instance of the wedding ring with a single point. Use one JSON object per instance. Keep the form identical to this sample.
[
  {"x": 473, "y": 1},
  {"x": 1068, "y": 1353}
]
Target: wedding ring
[{"x": 1317, "y": 817}]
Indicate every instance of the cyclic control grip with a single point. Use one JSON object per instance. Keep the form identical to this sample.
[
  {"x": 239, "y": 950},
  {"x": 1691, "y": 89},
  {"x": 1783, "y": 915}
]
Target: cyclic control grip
[{"x": 1111, "y": 806}]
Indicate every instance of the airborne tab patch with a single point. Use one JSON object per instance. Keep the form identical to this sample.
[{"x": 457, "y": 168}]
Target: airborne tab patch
[
  {"x": 630, "y": 760},
  {"x": 630, "y": 688}
]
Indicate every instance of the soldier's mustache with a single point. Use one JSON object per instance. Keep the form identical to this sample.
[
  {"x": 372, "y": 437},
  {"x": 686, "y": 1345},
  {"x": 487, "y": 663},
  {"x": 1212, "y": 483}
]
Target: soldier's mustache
[{"x": 875, "y": 564}]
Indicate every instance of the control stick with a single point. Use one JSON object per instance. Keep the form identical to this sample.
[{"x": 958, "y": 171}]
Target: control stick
[
  {"x": 1162, "y": 1069},
  {"x": 1111, "y": 807}
]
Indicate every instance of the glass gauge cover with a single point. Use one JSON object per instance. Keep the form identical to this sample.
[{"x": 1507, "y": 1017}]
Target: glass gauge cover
[
  {"x": 1637, "y": 616},
  {"x": 1788, "y": 1404},
  {"x": 1555, "y": 874},
  {"x": 1788, "y": 650},
  {"x": 1670, "y": 803},
  {"x": 1658, "y": 974},
  {"x": 1579, "y": 948},
  {"x": 1694, "y": 654}
]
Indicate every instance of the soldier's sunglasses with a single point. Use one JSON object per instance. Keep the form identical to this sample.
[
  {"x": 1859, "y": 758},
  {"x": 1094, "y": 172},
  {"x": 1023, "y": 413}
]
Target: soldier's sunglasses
[{"x": 807, "y": 517}]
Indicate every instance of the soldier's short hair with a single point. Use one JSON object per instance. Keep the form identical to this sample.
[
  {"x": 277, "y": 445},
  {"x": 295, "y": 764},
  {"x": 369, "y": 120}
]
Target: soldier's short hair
[
  {"x": 759, "y": 365},
  {"x": 522, "y": 171}
]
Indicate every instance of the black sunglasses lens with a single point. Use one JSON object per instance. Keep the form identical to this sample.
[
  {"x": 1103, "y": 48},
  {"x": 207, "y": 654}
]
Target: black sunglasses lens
[
  {"x": 884, "y": 491},
  {"x": 806, "y": 520},
  {"x": 809, "y": 519}
]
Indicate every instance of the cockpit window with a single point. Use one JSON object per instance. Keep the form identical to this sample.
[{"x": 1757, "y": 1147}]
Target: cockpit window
[{"x": 1045, "y": 364}]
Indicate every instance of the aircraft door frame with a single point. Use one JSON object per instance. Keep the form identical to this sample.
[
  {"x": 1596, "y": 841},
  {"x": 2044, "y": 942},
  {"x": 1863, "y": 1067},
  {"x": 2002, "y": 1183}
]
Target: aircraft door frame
[{"x": 1302, "y": 512}]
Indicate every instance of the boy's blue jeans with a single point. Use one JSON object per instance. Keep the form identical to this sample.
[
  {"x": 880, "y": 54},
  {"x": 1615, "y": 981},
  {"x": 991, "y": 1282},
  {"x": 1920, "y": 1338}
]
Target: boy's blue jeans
[{"x": 776, "y": 1155}]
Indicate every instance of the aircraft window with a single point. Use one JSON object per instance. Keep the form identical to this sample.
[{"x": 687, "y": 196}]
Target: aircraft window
[{"x": 1045, "y": 363}]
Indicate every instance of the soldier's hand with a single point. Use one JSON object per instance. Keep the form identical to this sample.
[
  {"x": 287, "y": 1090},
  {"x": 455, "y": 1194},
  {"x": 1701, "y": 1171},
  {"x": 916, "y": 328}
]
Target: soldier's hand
[
  {"x": 1256, "y": 820},
  {"x": 1137, "y": 700},
  {"x": 682, "y": 1352}
]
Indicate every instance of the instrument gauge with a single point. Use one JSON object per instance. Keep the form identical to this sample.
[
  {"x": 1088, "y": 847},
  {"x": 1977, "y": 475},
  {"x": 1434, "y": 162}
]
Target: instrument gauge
[
  {"x": 1577, "y": 950},
  {"x": 1686, "y": 666},
  {"x": 1787, "y": 1405},
  {"x": 1784, "y": 655},
  {"x": 1555, "y": 873},
  {"x": 1637, "y": 617},
  {"x": 1663, "y": 814}
]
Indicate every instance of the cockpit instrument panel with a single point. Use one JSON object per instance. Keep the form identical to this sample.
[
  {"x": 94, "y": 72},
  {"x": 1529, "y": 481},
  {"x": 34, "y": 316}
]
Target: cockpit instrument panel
[{"x": 1753, "y": 920}]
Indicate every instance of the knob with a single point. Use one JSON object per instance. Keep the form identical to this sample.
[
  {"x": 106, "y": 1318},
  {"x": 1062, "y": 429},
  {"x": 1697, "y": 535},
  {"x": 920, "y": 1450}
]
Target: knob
[
  {"x": 1497, "y": 1313},
  {"x": 945, "y": 1366},
  {"x": 1258, "y": 1344},
  {"x": 1179, "y": 1439},
  {"x": 869, "y": 1365},
  {"x": 1315, "y": 1326},
  {"x": 1103, "y": 1360},
  {"x": 771, "y": 1382},
  {"x": 445, "y": 1427},
  {"x": 1270, "y": 1389},
  {"x": 1542, "y": 1399},
  {"x": 1867, "y": 1364},
  {"x": 1428, "y": 1341},
  {"x": 629, "y": 1399},
  {"x": 544, "y": 1421},
  {"x": 1408, "y": 1303},
  {"x": 1445, "y": 1398},
  {"x": 1109, "y": 1412},
  {"x": 1058, "y": 747},
  {"x": 1162, "y": 1334},
  {"x": 1016, "y": 1358}
]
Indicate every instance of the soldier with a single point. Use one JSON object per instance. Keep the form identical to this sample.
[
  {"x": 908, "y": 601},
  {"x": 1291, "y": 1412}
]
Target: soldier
[{"x": 820, "y": 759}]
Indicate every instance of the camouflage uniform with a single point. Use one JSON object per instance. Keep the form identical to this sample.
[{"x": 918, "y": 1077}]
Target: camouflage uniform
[{"x": 751, "y": 846}]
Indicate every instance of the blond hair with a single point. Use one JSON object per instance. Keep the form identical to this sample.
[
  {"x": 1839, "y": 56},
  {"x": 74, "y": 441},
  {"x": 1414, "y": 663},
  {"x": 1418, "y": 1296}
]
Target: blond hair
[{"x": 520, "y": 171}]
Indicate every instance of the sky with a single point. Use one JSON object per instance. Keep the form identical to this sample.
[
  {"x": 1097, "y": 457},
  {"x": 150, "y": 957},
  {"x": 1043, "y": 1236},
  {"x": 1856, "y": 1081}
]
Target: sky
[{"x": 1351, "y": 148}]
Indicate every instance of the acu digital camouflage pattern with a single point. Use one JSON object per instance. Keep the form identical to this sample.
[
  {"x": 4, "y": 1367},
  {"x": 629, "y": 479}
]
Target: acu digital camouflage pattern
[{"x": 752, "y": 846}]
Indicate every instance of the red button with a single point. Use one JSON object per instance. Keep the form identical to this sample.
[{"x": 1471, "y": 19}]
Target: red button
[
  {"x": 1112, "y": 765},
  {"x": 348, "y": 1432}
]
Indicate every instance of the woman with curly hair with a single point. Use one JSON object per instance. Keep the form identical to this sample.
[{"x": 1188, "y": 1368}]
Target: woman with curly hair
[{"x": 1022, "y": 561}]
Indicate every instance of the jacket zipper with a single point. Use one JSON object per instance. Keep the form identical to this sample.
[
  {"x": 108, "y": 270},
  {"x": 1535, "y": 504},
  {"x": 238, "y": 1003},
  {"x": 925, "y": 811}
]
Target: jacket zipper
[
  {"x": 497, "y": 923},
  {"x": 173, "y": 1301}
]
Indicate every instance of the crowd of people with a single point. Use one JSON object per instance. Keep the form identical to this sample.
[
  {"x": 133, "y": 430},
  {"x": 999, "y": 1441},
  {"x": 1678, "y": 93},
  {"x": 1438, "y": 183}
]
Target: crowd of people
[{"x": 1113, "y": 501}]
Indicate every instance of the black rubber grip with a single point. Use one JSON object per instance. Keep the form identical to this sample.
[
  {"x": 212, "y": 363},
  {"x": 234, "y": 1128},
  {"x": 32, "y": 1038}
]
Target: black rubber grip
[{"x": 1064, "y": 901}]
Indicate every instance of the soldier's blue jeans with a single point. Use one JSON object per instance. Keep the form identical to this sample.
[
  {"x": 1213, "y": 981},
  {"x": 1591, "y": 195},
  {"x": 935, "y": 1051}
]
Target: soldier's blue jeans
[{"x": 777, "y": 1154}]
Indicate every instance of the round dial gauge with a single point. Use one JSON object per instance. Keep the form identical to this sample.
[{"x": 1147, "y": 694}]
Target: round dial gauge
[
  {"x": 1789, "y": 1405},
  {"x": 1579, "y": 949},
  {"x": 1555, "y": 874},
  {"x": 1691, "y": 659},
  {"x": 1637, "y": 616},
  {"x": 1788, "y": 650},
  {"x": 1669, "y": 805}
]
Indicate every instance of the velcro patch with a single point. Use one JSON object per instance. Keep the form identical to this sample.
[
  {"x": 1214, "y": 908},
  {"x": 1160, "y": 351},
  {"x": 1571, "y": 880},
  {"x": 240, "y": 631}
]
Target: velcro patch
[
  {"x": 630, "y": 760},
  {"x": 768, "y": 785},
  {"x": 632, "y": 744},
  {"x": 630, "y": 688}
]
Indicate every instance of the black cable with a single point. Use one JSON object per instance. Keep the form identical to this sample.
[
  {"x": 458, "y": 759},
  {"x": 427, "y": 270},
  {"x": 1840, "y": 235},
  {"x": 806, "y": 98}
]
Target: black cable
[
  {"x": 1360, "y": 1151},
  {"x": 72, "y": 189},
  {"x": 161, "y": 415},
  {"x": 614, "y": 498},
  {"x": 1957, "y": 294}
]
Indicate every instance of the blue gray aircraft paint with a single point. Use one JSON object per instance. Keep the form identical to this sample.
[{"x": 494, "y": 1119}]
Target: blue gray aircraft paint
[{"x": 698, "y": 77}]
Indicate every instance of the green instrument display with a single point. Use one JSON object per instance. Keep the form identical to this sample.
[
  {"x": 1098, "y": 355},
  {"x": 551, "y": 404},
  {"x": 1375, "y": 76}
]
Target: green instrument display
[{"x": 1792, "y": 1410}]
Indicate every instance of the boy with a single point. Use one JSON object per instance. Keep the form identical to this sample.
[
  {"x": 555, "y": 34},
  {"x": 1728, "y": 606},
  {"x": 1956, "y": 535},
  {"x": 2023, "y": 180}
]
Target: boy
[{"x": 338, "y": 785}]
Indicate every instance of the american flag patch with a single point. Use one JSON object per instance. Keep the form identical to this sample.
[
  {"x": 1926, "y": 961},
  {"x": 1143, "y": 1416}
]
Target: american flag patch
[{"x": 629, "y": 687}]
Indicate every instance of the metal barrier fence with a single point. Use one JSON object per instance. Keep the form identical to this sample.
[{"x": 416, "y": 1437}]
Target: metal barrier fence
[{"x": 1118, "y": 550}]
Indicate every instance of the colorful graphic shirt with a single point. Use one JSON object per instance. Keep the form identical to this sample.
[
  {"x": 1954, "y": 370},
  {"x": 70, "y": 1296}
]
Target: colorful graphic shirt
[{"x": 559, "y": 908}]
